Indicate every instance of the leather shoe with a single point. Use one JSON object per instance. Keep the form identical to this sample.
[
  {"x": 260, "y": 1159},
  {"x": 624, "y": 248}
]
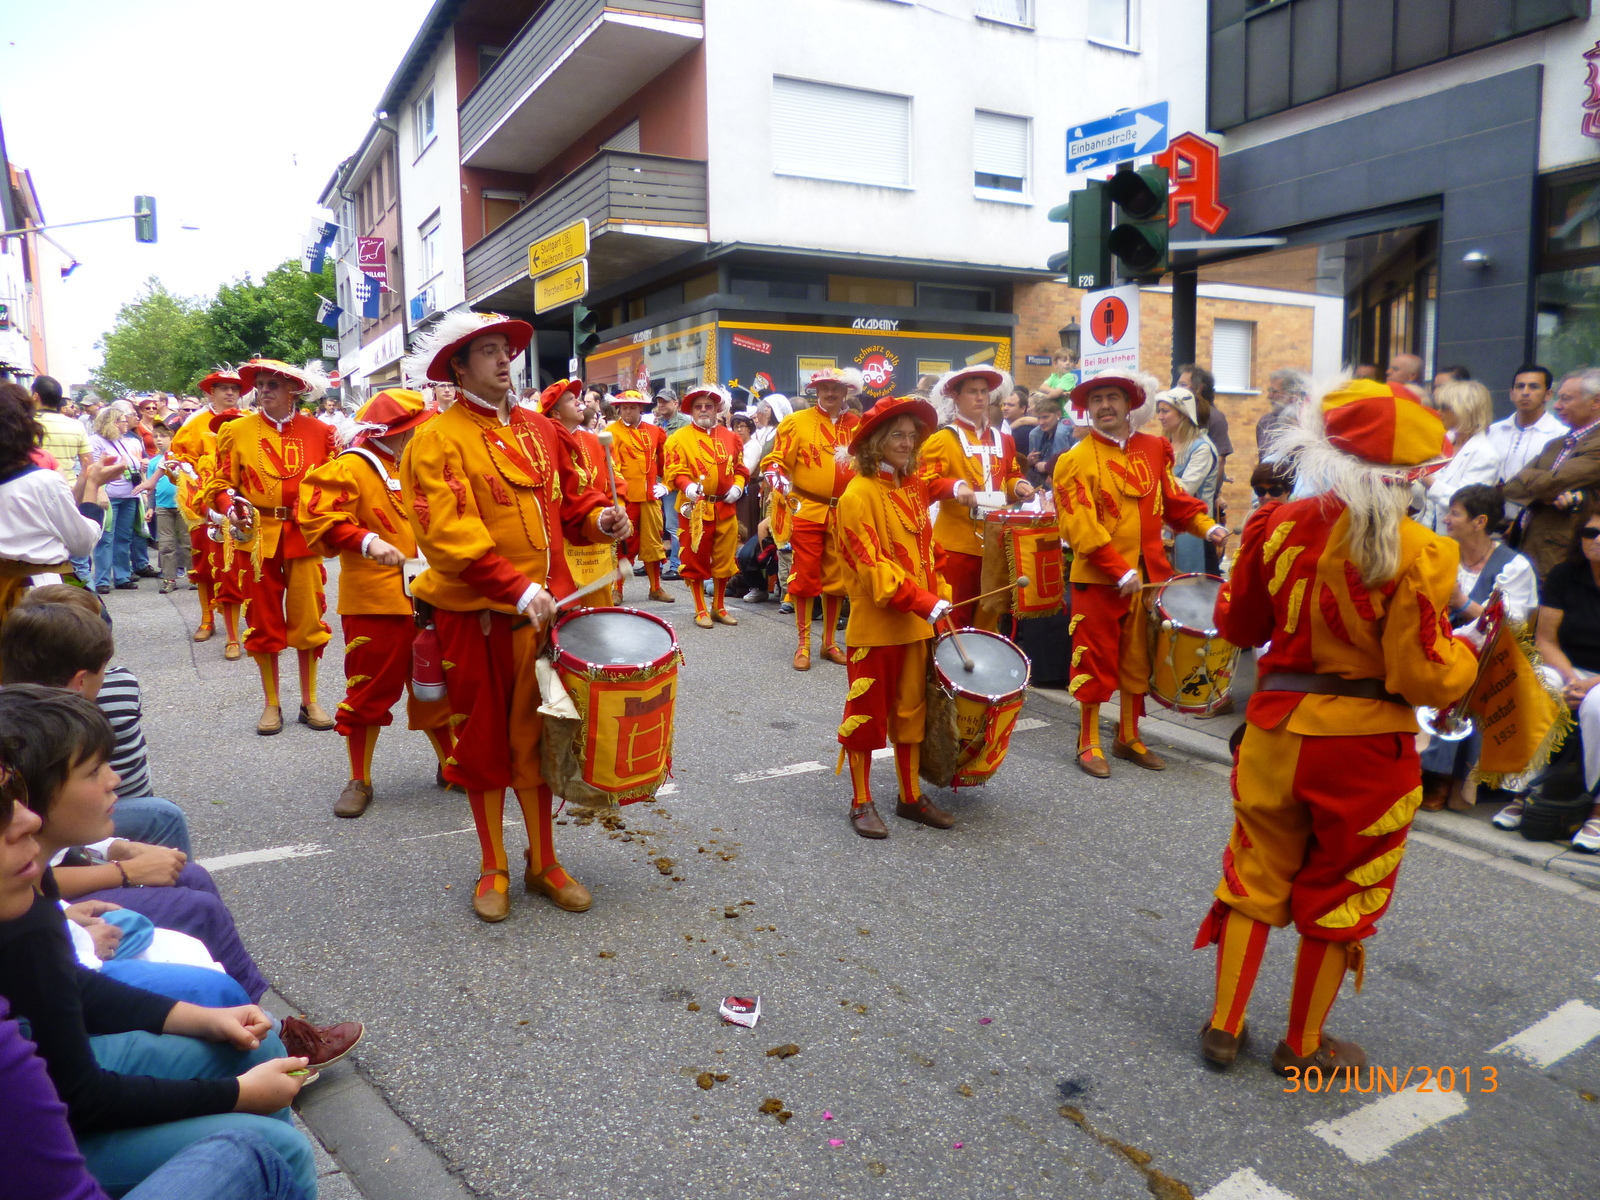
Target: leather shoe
[
  {"x": 233, "y": 652},
  {"x": 864, "y": 819},
  {"x": 924, "y": 812},
  {"x": 834, "y": 655},
  {"x": 353, "y": 800},
  {"x": 1094, "y": 764},
  {"x": 703, "y": 620},
  {"x": 1332, "y": 1055},
  {"x": 572, "y": 896},
  {"x": 205, "y": 633},
  {"x": 1138, "y": 753},
  {"x": 723, "y": 617},
  {"x": 493, "y": 905},
  {"x": 802, "y": 660},
  {"x": 148, "y": 572},
  {"x": 324, "y": 1045},
  {"x": 127, "y": 585},
  {"x": 1220, "y": 1047},
  {"x": 271, "y": 721},
  {"x": 315, "y": 716},
  {"x": 662, "y": 596}
]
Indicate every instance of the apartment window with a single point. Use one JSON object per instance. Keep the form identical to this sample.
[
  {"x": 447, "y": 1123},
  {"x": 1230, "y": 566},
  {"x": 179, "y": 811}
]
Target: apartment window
[
  {"x": 1109, "y": 21},
  {"x": 1232, "y": 352},
  {"x": 845, "y": 134},
  {"x": 1000, "y": 153},
  {"x": 428, "y": 262},
  {"x": 500, "y": 207},
  {"x": 422, "y": 114},
  {"x": 1011, "y": 12},
  {"x": 625, "y": 139}
]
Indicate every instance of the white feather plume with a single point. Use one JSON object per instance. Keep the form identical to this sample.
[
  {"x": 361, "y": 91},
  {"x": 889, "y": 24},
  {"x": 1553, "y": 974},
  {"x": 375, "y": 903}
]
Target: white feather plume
[{"x": 452, "y": 327}]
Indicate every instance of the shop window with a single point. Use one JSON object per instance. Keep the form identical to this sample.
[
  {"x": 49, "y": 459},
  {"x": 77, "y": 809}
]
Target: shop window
[
  {"x": 963, "y": 299},
  {"x": 1568, "y": 297},
  {"x": 846, "y": 134},
  {"x": 778, "y": 285},
  {"x": 1000, "y": 154},
  {"x": 625, "y": 140},
  {"x": 1232, "y": 355},
  {"x": 854, "y": 289},
  {"x": 500, "y": 207}
]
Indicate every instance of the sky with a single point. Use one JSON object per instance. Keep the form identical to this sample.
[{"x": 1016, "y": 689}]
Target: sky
[{"x": 232, "y": 115}]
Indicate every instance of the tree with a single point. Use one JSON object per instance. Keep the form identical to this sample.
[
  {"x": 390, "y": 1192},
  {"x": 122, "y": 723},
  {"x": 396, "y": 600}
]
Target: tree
[
  {"x": 276, "y": 318},
  {"x": 156, "y": 344}
]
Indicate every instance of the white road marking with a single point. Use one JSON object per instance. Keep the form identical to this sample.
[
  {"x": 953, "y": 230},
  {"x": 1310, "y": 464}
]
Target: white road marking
[
  {"x": 667, "y": 789},
  {"x": 885, "y": 752},
  {"x": 800, "y": 768},
  {"x": 223, "y": 861},
  {"x": 1028, "y": 723},
  {"x": 1370, "y": 1132},
  {"x": 422, "y": 837},
  {"x": 1245, "y": 1184},
  {"x": 1546, "y": 1042}
]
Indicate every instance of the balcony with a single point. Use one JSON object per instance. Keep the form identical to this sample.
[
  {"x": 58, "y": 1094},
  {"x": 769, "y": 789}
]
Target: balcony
[
  {"x": 561, "y": 73},
  {"x": 643, "y": 209}
]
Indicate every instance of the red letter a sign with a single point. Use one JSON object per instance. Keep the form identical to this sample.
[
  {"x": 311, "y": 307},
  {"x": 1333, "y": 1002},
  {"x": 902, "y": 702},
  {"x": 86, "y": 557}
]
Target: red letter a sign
[{"x": 1193, "y": 164}]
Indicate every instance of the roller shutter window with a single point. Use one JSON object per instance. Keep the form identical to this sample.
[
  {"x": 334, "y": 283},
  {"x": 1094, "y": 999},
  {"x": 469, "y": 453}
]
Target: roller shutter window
[
  {"x": 839, "y": 133},
  {"x": 625, "y": 140},
  {"x": 1232, "y": 350},
  {"x": 1000, "y": 152}
]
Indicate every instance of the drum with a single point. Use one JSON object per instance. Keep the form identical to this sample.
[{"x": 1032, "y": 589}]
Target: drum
[
  {"x": 1191, "y": 667},
  {"x": 971, "y": 713},
  {"x": 620, "y": 668},
  {"x": 1018, "y": 544}
]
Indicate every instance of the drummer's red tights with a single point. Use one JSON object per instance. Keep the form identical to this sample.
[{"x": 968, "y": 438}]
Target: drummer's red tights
[
  {"x": 1239, "y": 949},
  {"x": 537, "y": 806},
  {"x": 230, "y": 621},
  {"x": 652, "y": 572},
  {"x": 208, "y": 617},
  {"x": 907, "y": 760},
  {"x": 360, "y": 742},
  {"x": 1128, "y": 714},
  {"x": 488, "y": 814},
  {"x": 697, "y": 589},
  {"x": 830, "y": 619},
  {"x": 1088, "y": 728},
  {"x": 802, "y": 621},
  {"x": 860, "y": 776},
  {"x": 444, "y": 742},
  {"x": 719, "y": 599}
]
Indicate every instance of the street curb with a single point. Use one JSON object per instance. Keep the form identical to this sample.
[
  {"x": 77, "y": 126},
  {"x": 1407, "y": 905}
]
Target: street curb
[
  {"x": 1558, "y": 858},
  {"x": 381, "y": 1156}
]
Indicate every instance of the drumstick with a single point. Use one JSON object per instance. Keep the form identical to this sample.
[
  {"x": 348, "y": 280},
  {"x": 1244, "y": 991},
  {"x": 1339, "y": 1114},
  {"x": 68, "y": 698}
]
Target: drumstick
[
  {"x": 1022, "y": 582},
  {"x": 966, "y": 662},
  {"x": 594, "y": 586},
  {"x": 605, "y": 439}
]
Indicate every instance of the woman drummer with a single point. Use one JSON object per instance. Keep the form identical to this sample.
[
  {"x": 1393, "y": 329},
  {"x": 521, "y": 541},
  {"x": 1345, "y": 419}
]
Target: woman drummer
[{"x": 887, "y": 544}]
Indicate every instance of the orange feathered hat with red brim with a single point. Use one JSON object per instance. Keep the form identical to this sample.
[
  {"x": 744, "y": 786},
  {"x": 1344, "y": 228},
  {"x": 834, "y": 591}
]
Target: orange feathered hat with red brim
[
  {"x": 1383, "y": 424},
  {"x": 551, "y": 396},
  {"x": 887, "y": 410},
  {"x": 429, "y": 360},
  {"x": 220, "y": 376},
  {"x": 392, "y": 411}
]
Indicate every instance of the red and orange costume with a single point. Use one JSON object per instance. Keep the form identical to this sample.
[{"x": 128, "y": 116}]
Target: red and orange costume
[
  {"x": 710, "y": 464},
  {"x": 809, "y": 482},
  {"x": 1327, "y": 776},
  {"x": 586, "y": 561},
  {"x": 886, "y": 539},
  {"x": 194, "y": 448},
  {"x": 262, "y": 461},
  {"x": 347, "y": 504},
  {"x": 637, "y": 453},
  {"x": 1111, "y": 501},
  {"x": 493, "y": 495}
]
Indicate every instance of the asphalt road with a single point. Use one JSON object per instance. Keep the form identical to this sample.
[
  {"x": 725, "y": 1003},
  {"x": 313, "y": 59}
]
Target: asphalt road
[{"x": 949, "y": 992}]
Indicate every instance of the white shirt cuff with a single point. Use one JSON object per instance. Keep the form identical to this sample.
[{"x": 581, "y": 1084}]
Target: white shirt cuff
[
  {"x": 1128, "y": 578},
  {"x": 366, "y": 544},
  {"x": 528, "y": 598},
  {"x": 939, "y": 610}
]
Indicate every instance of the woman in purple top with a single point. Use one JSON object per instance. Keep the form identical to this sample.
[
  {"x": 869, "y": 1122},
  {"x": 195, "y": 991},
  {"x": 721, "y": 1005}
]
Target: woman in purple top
[{"x": 113, "y": 562}]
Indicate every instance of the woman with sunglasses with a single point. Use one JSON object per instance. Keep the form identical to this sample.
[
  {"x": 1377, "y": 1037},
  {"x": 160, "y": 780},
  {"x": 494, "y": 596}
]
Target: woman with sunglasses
[{"x": 1568, "y": 639}]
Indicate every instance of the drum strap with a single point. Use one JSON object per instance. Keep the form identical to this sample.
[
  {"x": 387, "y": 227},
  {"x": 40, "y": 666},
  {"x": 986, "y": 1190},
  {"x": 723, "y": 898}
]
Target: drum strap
[{"x": 1327, "y": 685}]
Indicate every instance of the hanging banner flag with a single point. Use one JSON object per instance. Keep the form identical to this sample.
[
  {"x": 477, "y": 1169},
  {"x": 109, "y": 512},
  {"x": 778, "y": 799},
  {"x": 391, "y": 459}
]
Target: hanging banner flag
[
  {"x": 372, "y": 256},
  {"x": 328, "y": 313},
  {"x": 316, "y": 254},
  {"x": 367, "y": 290}
]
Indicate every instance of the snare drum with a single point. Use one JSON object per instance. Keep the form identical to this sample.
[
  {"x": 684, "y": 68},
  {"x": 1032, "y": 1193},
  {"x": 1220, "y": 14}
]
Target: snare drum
[
  {"x": 621, "y": 669},
  {"x": 1018, "y": 544},
  {"x": 971, "y": 713},
  {"x": 1191, "y": 667}
]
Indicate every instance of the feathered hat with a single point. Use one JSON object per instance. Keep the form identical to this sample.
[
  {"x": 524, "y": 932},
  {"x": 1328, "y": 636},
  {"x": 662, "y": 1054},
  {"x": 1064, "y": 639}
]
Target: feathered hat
[
  {"x": 1362, "y": 427},
  {"x": 551, "y": 396},
  {"x": 724, "y": 401},
  {"x": 222, "y": 374},
  {"x": 629, "y": 397},
  {"x": 944, "y": 391},
  {"x": 849, "y": 376},
  {"x": 311, "y": 385},
  {"x": 391, "y": 411},
  {"x": 431, "y": 352},
  {"x": 888, "y": 409}
]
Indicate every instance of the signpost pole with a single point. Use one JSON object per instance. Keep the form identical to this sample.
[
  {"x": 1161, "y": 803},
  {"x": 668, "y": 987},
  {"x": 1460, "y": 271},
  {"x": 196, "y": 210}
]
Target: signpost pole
[{"x": 1185, "y": 297}]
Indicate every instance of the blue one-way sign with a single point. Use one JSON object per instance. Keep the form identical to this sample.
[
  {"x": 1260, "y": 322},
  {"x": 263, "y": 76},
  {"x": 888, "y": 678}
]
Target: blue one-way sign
[{"x": 1117, "y": 138}]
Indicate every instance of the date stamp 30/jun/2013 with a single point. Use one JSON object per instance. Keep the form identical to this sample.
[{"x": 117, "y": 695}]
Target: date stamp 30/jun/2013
[{"x": 1482, "y": 1080}]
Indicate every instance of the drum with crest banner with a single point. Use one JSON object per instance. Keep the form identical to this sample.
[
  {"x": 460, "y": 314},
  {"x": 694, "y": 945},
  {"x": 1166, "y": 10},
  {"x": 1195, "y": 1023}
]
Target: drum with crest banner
[
  {"x": 620, "y": 669},
  {"x": 971, "y": 713},
  {"x": 1023, "y": 545}
]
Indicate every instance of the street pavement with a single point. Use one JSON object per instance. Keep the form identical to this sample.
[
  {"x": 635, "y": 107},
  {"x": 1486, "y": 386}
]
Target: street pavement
[{"x": 1009, "y": 1008}]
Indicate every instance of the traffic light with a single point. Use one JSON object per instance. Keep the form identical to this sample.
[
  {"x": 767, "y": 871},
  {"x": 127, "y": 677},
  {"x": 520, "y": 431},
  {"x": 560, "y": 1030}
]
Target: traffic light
[
  {"x": 1139, "y": 240},
  {"x": 585, "y": 331},
  {"x": 1086, "y": 262},
  {"x": 144, "y": 218}
]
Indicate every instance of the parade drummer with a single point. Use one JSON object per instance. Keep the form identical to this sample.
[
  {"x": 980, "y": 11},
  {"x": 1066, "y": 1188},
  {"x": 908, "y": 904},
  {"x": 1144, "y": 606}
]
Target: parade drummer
[
  {"x": 193, "y": 450},
  {"x": 1114, "y": 489},
  {"x": 492, "y": 494},
  {"x": 805, "y": 475},
  {"x": 1355, "y": 598},
  {"x": 564, "y": 403},
  {"x": 705, "y": 466},
  {"x": 351, "y": 506},
  {"x": 971, "y": 449},
  {"x": 261, "y": 459},
  {"x": 637, "y": 454},
  {"x": 886, "y": 541}
]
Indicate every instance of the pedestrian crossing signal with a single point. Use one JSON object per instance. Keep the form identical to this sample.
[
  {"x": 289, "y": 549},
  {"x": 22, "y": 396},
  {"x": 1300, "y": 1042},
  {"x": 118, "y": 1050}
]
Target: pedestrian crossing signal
[{"x": 144, "y": 218}]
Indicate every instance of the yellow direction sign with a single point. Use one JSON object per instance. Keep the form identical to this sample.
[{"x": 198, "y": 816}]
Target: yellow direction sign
[
  {"x": 560, "y": 248},
  {"x": 561, "y": 286}
]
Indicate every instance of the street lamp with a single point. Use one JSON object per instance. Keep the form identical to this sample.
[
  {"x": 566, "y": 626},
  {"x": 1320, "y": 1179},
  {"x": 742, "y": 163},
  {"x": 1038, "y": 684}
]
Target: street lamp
[{"x": 1069, "y": 335}]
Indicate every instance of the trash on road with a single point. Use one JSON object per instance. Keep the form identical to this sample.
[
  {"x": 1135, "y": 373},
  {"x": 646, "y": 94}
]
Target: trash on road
[{"x": 741, "y": 1010}]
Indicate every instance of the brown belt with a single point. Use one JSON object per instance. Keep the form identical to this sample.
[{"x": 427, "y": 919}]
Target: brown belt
[
  {"x": 281, "y": 514},
  {"x": 826, "y": 501},
  {"x": 1327, "y": 685}
]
